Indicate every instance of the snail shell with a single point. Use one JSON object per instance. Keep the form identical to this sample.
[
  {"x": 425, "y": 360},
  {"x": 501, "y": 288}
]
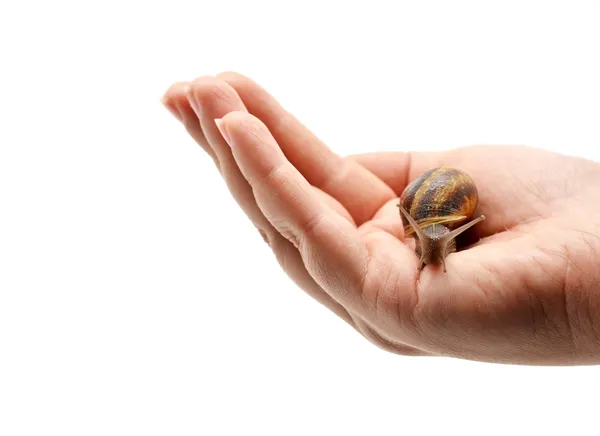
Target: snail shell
[{"x": 437, "y": 207}]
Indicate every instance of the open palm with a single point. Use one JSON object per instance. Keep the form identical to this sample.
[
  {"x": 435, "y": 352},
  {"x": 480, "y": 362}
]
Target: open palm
[{"x": 526, "y": 290}]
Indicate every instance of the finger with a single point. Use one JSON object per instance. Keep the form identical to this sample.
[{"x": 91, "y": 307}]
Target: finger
[
  {"x": 175, "y": 100},
  {"x": 359, "y": 191},
  {"x": 397, "y": 169},
  {"x": 290, "y": 261},
  {"x": 328, "y": 244},
  {"x": 209, "y": 98}
]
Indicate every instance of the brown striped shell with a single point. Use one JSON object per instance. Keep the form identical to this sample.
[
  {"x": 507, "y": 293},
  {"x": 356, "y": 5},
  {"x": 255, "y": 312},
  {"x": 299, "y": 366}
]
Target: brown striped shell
[
  {"x": 439, "y": 196},
  {"x": 436, "y": 208}
]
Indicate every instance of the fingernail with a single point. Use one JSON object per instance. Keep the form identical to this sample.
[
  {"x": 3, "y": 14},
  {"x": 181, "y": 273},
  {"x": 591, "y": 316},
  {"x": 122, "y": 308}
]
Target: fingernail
[
  {"x": 264, "y": 236},
  {"x": 223, "y": 130},
  {"x": 172, "y": 108},
  {"x": 176, "y": 113},
  {"x": 193, "y": 103}
]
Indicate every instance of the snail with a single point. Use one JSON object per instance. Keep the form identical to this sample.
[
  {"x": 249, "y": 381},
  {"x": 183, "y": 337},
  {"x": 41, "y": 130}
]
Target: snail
[{"x": 436, "y": 208}]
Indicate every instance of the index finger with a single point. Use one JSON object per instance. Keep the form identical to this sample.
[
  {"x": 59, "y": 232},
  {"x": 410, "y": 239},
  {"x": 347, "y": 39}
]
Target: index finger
[{"x": 356, "y": 188}]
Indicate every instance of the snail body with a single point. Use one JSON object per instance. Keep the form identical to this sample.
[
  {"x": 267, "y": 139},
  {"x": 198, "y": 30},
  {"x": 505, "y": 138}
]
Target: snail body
[{"x": 435, "y": 208}]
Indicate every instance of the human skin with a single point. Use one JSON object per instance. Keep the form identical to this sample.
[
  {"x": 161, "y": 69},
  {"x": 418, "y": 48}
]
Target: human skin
[{"x": 527, "y": 291}]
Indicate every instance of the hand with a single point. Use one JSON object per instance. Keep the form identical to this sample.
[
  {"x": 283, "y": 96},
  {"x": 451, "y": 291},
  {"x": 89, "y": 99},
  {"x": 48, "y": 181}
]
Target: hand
[{"x": 527, "y": 291}]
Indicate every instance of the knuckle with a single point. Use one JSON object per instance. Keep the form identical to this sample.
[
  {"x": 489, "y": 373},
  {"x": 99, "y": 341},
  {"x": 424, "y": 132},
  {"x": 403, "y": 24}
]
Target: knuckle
[{"x": 386, "y": 344}]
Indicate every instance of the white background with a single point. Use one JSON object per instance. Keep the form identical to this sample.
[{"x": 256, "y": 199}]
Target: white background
[{"x": 136, "y": 299}]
